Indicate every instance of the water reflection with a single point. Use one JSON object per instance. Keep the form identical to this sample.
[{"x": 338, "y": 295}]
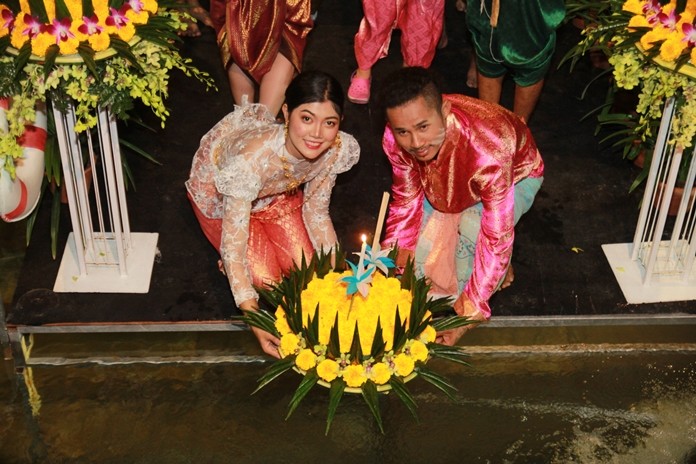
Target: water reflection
[{"x": 552, "y": 407}]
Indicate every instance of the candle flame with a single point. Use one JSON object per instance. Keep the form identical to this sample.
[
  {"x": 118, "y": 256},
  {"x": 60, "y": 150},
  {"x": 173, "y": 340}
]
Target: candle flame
[{"x": 363, "y": 237}]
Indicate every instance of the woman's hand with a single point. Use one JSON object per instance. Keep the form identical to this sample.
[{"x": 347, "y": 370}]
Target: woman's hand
[{"x": 269, "y": 343}]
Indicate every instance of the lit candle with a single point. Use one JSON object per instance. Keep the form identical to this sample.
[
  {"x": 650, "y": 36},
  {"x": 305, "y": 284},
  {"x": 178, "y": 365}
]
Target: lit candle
[
  {"x": 363, "y": 237},
  {"x": 380, "y": 222}
]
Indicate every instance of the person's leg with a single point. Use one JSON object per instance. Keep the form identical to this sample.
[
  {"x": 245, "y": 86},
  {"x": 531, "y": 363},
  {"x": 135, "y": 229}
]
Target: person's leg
[
  {"x": 489, "y": 88},
  {"x": 371, "y": 43},
  {"x": 421, "y": 26},
  {"x": 526, "y": 98},
  {"x": 241, "y": 85},
  {"x": 275, "y": 82}
]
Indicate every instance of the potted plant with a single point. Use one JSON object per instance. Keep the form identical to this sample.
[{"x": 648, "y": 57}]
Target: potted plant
[
  {"x": 651, "y": 50},
  {"x": 83, "y": 54}
]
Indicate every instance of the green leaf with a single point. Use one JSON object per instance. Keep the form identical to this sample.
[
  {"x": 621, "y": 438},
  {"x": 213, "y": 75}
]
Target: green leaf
[
  {"x": 338, "y": 386},
  {"x": 437, "y": 380},
  {"x": 371, "y": 396},
  {"x": 308, "y": 382},
  {"x": 52, "y": 53},
  {"x": 55, "y": 223},
  {"x": 38, "y": 9},
  {"x": 334, "y": 347},
  {"x": 399, "y": 387},
  {"x": 62, "y": 10},
  {"x": 311, "y": 332},
  {"x": 355, "y": 347},
  {"x": 87, "y": 53},
  {"x": 261, "y": 319},
  {"x": 123, "y": 49},
  {"x": 378, "y": 343},
  {"x": 277, "y": 369},
  {"x": 453, "y": 322},
  {"x": 87, "y": 8}
]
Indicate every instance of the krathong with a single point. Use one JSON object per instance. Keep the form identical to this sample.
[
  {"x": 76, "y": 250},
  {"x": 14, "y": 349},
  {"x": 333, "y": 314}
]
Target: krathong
[
  {"x": 367, "y": 342},
  {"x": 85, "y": 54}
]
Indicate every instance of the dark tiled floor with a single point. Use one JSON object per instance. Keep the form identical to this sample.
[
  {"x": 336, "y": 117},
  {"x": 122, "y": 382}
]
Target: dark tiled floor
[{"x": 583, "y": 204}]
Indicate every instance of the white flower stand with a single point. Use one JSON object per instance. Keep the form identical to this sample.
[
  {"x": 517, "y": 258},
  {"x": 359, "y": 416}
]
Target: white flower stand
[
  {"x": 102, "y": 255},
  {"x": 659, "y": 265}
]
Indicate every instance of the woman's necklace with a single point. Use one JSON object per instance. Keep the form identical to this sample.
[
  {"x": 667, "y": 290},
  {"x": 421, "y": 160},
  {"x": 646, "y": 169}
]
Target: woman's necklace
[{"x": 293, "y": 182}]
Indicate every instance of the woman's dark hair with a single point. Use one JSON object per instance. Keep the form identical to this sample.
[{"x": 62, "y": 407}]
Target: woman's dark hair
[
  {"x": 314, "y": 87},
  {"x": 407, "y": 84}
]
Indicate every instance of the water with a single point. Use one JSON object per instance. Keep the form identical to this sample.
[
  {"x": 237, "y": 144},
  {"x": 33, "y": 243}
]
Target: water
[{"x": 556, "y": 405}]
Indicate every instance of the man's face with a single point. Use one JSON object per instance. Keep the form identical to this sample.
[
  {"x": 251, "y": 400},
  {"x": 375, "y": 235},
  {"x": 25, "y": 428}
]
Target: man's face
[{"x": 418, "y": 127}]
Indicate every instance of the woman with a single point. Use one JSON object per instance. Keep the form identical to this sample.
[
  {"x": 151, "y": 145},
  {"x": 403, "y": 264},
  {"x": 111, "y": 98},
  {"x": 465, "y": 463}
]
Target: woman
[
  {"x": 262, "y": 44},
  {"x": 245, "y": 179}
]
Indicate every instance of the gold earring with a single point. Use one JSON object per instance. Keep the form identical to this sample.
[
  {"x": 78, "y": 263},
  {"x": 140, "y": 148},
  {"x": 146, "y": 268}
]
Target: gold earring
[
  {"x": 286, "y": 129},
  {"x": 337, "y": 142}
]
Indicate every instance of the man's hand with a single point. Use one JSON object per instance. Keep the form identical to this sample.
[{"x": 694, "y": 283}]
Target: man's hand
[
  {"x": 402, "y": 257},
  {"x": 464, "y": 307}
]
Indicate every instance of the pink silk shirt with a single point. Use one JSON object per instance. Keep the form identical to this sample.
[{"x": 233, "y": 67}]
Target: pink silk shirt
[{"x": 487, "y": 149}]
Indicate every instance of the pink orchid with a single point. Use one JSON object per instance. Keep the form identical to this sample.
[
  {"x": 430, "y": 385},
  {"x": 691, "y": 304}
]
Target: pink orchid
[
  {"x": 33, "y": 26},
  {"x": 652, "y": 10},
  {"x": 118, "y": 18},
  {"x": 669, "y": 21},
  {"x": 689, "y": 34},
  {"x": 7, "y": 19},
  {"x": 135, "y": 5},
  {"x": 60, "y": 29},
  {"x": 90, "y": 25}
]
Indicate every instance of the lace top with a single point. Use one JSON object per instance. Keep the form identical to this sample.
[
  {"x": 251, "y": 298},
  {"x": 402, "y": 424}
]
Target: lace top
[{"x": 237, "y": 170}]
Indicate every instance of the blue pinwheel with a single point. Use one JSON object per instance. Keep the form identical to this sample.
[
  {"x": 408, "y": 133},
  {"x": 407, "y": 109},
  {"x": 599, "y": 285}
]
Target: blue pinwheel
[
  {"x": 380, "y": 259},
  {"x": 360, "y": 280}
]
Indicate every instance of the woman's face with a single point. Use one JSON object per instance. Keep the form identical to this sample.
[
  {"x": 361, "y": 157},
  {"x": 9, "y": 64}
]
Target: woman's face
[{"x": 312, "y": 129}]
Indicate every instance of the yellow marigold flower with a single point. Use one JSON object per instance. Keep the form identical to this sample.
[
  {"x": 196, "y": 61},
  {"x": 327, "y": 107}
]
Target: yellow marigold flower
[
  {"x": 99, "y": 42},
  {"x": 671, "y": 49},
  {"x": 289, "y": 344},
  {"x": 138, "y": 18},
  {"x": 403, "y": 364},
  {"x": 150, "y": 5},
  {"x": 75, "y": 8},
  {"x": 428, "y": 335},
  {"x": 634, "y": 6},
  {"x": 41, "y": 43},
  {"x": 638, "y": 21},
  {"x": 306, "y": 359},
  {"x": 100, "y": 5},
  {"x": 418, "y": 351},
  {"x": 126, "y": 32},
  {"x": 380, "y": 373},
  {"x": 68, "y": 47},
  {"x": 327, "y": 370},
  {"x": 281, "y": 323},
  {"x": 693, "y": 56},
  {"x": 355, "y": 375}
]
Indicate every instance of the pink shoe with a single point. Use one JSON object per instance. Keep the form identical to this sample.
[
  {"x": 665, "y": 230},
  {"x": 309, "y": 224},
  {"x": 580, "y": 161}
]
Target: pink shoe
[{"x": 359, "y": 90}]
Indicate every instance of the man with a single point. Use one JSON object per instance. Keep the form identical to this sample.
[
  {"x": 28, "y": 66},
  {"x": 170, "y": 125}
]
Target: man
[{"x": 464, "y": 172}]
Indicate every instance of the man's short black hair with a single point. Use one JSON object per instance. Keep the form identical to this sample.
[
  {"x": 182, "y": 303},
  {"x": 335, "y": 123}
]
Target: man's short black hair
[{"x": 407, "y": 84}]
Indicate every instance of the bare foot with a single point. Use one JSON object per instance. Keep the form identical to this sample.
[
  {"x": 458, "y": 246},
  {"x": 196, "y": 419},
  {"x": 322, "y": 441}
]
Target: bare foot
[
  {"x": 472, "y": 74},
  {"x": 509, "y": 278}
]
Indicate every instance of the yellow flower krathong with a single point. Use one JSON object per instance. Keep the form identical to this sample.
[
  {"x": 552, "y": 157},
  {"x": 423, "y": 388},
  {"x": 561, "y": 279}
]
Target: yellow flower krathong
[{"x": 350, "y": 342}]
